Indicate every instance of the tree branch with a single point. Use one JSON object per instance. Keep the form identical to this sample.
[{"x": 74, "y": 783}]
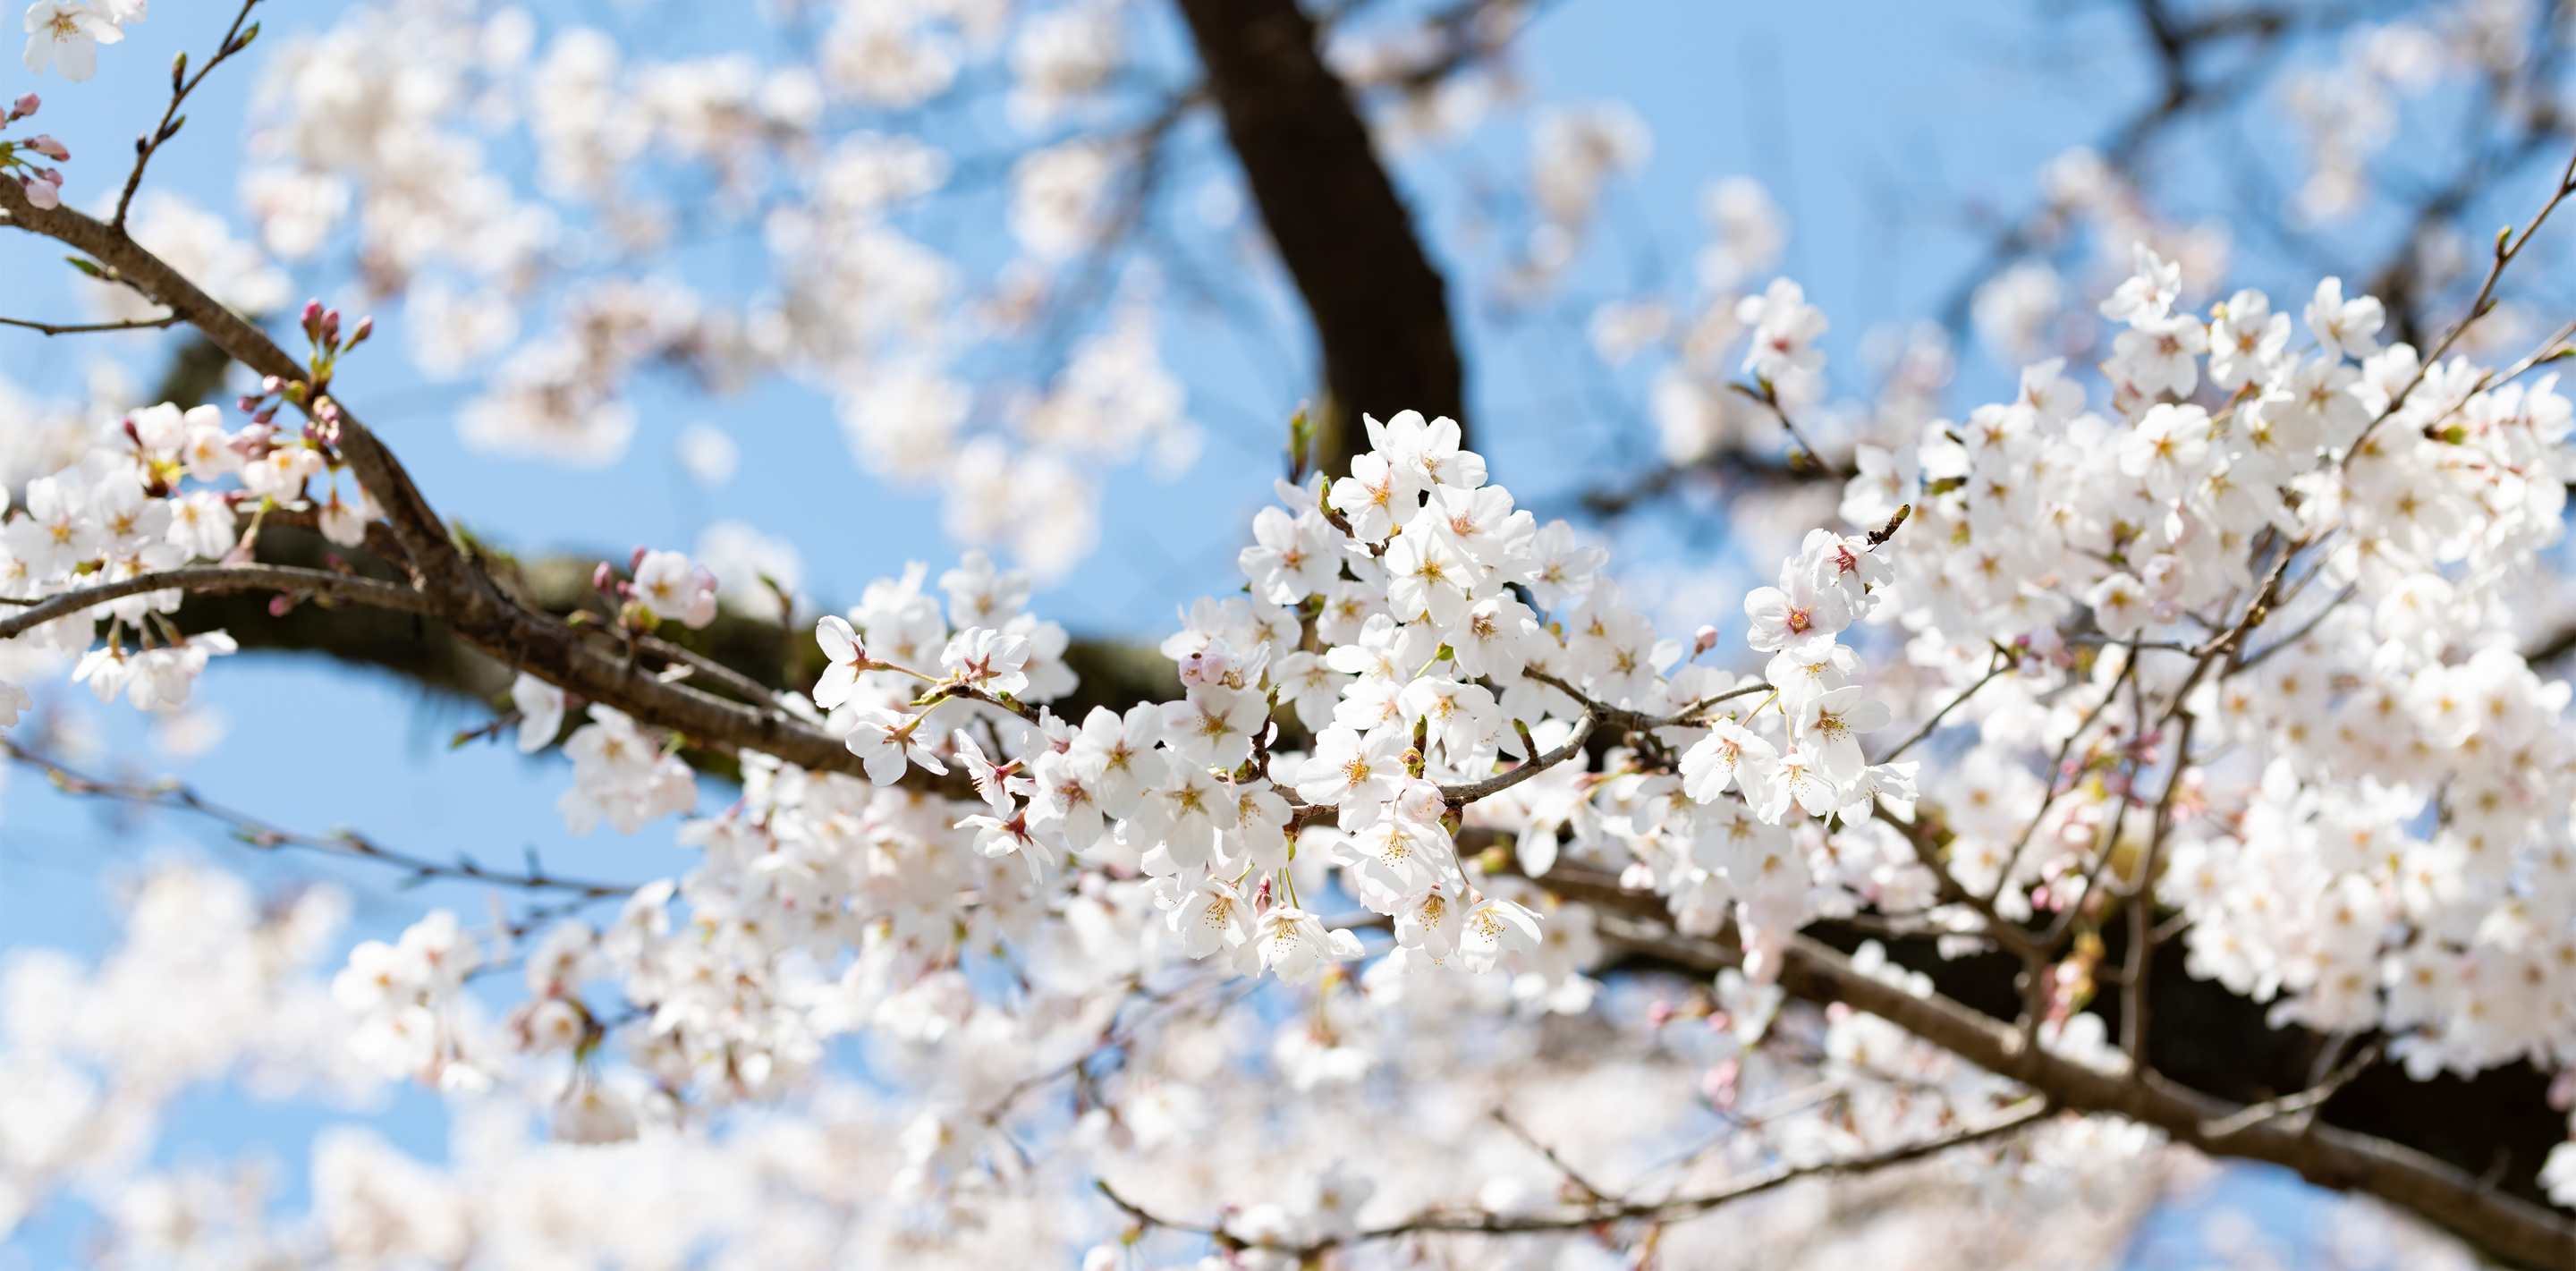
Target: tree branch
[
  {"x": 180, "y": 86},
  {"x": 267, "y": 837},
  {"x": 2024, "y": 1115},
  {"x": 1381, "y": 309},
  {"x": 436, "y": 560},
  {"x": 1607, "y": 1210},
  {"x": 452, "y": 587},
  {"x": 2506, "y": 1227},
  {"x": 2508, "y": 245}
]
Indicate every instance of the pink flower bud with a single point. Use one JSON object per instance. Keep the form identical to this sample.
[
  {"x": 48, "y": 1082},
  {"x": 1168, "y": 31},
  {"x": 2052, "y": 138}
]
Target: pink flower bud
[
  {"x": 1718, "y": 1083},
  {"x": 602, "y": 579},
  {"x": 1703, "y": 641},
  {"x": 330, "y": 326},
  {"x": 41, "y": 192},
  {"x": 312, "y": 318},
  {"x": 271, "y": 384},
  {"x": 636, "y": 561},
  {"x": 247, "y": 403},
  {"x": 1208, "y": 666},
  {"x": 366, "y": 327},
  {"x": 25, "y": 106},
  {"x": 50, "y": 148}
]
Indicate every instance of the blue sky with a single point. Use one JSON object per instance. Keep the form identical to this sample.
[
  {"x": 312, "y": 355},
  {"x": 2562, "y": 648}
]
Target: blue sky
[{"x": 1875, "y": 124}]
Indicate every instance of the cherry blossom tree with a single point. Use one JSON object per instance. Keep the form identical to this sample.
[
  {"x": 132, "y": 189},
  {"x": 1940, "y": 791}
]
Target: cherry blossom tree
[{"x": 2142, "y": 770}]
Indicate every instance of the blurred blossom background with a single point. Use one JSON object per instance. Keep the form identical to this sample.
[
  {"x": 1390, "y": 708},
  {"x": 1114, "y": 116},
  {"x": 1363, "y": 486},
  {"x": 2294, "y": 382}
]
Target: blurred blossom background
[{"x": 812, "y": 290}]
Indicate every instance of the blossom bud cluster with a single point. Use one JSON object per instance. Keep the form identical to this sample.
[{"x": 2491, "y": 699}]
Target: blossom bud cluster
[{"x": 43, "y": 185}]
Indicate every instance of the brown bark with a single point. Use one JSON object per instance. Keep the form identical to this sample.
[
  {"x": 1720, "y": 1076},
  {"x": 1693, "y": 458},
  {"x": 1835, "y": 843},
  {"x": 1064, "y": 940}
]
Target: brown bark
[
  {"x": 2508, "y": 1228},
  {"x": 1380, "y": 307}
]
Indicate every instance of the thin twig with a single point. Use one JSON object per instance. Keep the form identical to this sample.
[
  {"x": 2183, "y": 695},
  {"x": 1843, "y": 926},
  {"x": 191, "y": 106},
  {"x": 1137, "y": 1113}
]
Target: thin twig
[
  {"x": 1461, "y": 795},
  {"x": 2507, "y": 246},
  {"x": 2056, "y": 772},
  {"x": 1504, "y": 1120},
  {"x": 743, "y": 686},
  {"x": 2350, "y": 590},
  {"x": 2023, "y": 1115},
  {"x": 2019, "y": 1117},
  {"x": 1638, "y": 721},
  {"x": 268, "y": 837},
  {"x": 144, "y": 146},
  {"x": 1151, "y": 1219},
  {"x": 140, "y": 324},
  {"x": 2246, "y": 1118},
  {"x": 2002, "y": 664}
]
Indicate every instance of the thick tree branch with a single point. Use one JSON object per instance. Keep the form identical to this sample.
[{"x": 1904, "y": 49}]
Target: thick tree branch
[
  {"x": 2508, "y": 1228},
  {"x": 437, "y": 562},
  {"x": 450, "y": 586},
  {"x": 1381, "y": 309}
]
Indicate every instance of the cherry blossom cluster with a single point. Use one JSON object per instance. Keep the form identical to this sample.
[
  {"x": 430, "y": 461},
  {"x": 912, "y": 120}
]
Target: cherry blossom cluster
[
  {"x": 1385, "y": 615},
  {"x": 2229, "y": 649},
  {"x": 122, "y": 513},
  {"x": 1447, "y": 656},
  {"x": 952, "y": 1122},
  {"x": 163, "y": 487},
  {"x": 2256, "y": 627},
  {"x": 736, "y": 975}
]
